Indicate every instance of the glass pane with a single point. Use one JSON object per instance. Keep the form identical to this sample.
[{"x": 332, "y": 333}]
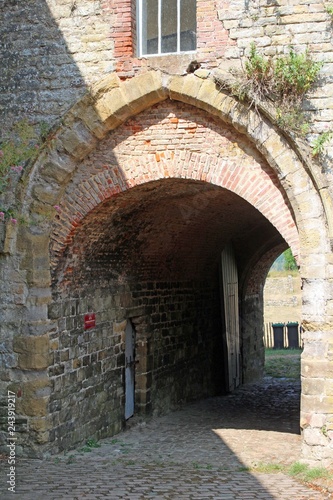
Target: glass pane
[
  {"x": 149, "y": 26},
  {"x": 188, "y": 25},
  {"x": 169, "y": 26}
]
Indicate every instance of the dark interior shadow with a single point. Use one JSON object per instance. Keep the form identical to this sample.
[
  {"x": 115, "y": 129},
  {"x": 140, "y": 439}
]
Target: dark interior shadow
[{"x": 271, "y": 405}]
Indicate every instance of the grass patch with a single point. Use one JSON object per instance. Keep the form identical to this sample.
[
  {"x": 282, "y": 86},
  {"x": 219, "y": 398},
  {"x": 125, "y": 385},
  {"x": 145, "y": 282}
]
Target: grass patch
[
  {"x": 270, "y": 468},
  {"x": 297, "y": 470},
  {"x": 308, "y": 474},
  {"x": 283, "y": 363},
  {"x": 275, "y": 353},
  {"x": 90, "y": 444}
]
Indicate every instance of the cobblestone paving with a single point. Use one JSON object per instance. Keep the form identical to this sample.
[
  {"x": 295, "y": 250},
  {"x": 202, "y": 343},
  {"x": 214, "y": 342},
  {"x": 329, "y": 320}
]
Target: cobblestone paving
[{"x": 200, "y": 451}]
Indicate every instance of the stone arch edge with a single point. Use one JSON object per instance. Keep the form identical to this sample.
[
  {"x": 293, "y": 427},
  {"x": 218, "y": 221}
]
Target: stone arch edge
[{"x": 111, "y": 102}]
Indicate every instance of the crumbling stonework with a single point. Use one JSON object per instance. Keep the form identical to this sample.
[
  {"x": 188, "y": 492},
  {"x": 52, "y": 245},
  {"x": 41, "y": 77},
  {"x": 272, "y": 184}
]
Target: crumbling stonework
[{"x": 130, "y": 203}]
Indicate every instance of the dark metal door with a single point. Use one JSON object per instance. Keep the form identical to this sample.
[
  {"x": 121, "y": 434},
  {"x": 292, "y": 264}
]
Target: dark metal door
[{"x": 129, "y": 370}]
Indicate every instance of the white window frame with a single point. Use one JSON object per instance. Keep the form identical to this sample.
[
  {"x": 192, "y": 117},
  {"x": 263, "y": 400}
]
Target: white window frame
[{"x": 139, "y": 32}]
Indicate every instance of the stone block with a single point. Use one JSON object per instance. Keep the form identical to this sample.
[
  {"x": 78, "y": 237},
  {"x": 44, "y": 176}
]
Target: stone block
[
  {"x": 55, "y": 310},
  {"x": 33, "y": 352},
  {"x": 313, "y": 386},
  {"x": 86, "y": 112},
  {"x": 104, "y": 86},
  {"x": 314, "y": 437},
  {"x": 40, "y": 424},
  {"x": 78, "y": 140},
  {"x": 58, "y": 166},
  {"x": 318, "y": 403},
  {"x": 175, "y": 86},
  {"x": 317, "y": 369},
  {"x": 112, "y": 108},
  {"x": 46, "y": 192},
  {"x": 35, "y": 397},
  {"x": 144, "y": 91},
  {"x": 36, "y": 313},
  {"x": 207, "y": 93},
  {"x": 191, "y": 88}
]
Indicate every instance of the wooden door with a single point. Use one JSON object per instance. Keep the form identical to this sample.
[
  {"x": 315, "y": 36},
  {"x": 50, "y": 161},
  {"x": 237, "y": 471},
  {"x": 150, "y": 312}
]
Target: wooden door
[{"x": 230, "y": 317}]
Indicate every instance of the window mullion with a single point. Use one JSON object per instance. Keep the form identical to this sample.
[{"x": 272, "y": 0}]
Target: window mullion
[
  {"x": 178, "y": 26},
  {"x": 159, "y": 26},
  {"x": 139, "y": 26}
]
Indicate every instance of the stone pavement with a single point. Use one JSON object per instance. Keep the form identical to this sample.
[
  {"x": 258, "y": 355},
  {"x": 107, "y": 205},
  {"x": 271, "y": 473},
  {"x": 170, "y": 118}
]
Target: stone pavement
[{"x": 201, "y": 451}]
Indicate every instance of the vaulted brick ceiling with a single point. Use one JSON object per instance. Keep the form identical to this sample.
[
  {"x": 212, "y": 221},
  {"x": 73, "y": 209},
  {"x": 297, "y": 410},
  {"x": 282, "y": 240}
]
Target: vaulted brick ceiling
[{"x": 169, "y": 229}]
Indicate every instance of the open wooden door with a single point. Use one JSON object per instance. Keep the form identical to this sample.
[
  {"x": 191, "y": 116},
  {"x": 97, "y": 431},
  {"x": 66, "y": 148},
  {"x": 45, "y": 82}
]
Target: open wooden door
[{"x": 230, "y": 317}]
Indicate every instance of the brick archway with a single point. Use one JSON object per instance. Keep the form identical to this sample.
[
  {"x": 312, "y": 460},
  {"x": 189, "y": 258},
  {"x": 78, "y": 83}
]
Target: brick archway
[
  {"x": 112, "y": 102},
  {"x": 70, "y": 175}
]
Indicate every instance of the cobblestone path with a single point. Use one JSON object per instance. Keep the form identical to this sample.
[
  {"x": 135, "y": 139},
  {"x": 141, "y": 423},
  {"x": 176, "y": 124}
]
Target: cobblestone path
[{"x": 201, "y": 451}]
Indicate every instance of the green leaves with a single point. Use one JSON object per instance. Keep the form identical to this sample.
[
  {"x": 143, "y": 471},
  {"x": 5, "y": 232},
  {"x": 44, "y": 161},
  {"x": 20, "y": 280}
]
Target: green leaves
[
  {"x": 20, "y": 146},
  {"x": 288, "y": 77},
  {"x": 284, "y": 80},
  {"x": 320, "y": 142},
  {"x": 289, "y": 261},
  {"x": 294, "y": 74}
]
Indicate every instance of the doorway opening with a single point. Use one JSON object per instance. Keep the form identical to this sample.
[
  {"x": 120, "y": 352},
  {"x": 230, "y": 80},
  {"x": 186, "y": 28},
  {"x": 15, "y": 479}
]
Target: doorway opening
[
  {"x": 283, "y": 304},
  {"x": 129, "y": 370}
]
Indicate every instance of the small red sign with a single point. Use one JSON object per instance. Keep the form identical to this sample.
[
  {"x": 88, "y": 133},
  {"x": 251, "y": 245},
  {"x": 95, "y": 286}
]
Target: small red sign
[{"x": 89, "y": 321}]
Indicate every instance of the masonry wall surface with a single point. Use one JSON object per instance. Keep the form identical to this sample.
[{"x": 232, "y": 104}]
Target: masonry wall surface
[
  {"x": 177, "y": 347},
  {"x": 145, "y": 126}
]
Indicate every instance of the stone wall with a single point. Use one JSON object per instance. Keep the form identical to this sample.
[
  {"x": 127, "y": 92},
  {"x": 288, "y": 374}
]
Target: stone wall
[
  {"x": 283, "y": 299},
  {"x": 52, "y": 51},
  {"x": 89, "y": 195},
  {"x": 178, "y": 355}
]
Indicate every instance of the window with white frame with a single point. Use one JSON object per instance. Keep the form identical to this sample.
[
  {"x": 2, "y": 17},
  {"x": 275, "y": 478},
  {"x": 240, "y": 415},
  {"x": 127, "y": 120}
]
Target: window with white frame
[{"x": 166, "y": 26}]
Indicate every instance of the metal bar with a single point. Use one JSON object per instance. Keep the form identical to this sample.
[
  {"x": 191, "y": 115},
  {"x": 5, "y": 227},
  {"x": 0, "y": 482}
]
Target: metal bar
[
  {"x": 178, "y": 25},
  {"x": 159, "y": 20}
]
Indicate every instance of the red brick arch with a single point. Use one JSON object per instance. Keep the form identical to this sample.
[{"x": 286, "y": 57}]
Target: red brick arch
[
  {"x": 112, "y": 103},
  {"x": 258, "y": 189}
]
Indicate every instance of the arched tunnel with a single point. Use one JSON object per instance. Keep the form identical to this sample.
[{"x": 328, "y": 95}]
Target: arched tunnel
[{"x": 150, "y": 257}]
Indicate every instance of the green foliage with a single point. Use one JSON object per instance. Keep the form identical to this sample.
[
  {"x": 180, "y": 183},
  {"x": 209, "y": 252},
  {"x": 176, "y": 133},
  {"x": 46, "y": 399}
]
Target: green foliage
[
  {"x": 269, "y": 468},
  {"x": 90, "y": 444},
  {"x": 289, "y": 261},
  {"x": 329, "y": 10},
  {"x": 294, "y": 74},
  {"x": 20, "y": 145},
  {"x": 273, "y": 353},
  {"x": 292, "y": 118},
  {"x": 258, "y": 71},
  {"x": 297, "y": 470},
  {"x": 284, "y": 80},
  {"x": 308, "y": 474},
  {"x": 319, "y": 143}
]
